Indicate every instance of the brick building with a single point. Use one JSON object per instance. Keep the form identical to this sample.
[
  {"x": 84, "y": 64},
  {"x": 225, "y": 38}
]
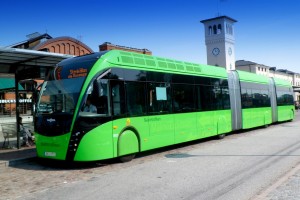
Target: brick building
[
  {"x": 63, "y": 45},
  {"x": 109, "y": 46}
]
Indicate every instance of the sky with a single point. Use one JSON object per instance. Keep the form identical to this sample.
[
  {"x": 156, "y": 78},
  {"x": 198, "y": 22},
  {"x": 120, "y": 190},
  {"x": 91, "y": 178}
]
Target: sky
[{"x": 266, "y": 32}]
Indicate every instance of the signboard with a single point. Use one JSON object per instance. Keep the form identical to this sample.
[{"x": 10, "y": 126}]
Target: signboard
[{"x": 2, "y": 101}]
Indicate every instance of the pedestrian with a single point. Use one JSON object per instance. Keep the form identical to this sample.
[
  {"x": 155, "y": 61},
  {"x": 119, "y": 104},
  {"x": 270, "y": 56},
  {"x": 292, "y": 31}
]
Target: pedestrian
[{"x": 28, "y": 138}]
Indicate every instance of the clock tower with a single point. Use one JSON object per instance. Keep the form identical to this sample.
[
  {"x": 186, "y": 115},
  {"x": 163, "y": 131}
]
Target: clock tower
[{"x": 219, "y": 40}]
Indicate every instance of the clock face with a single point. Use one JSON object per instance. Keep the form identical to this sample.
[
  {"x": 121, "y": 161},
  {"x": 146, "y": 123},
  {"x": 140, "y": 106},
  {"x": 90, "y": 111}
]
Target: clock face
[
  {"x": 229, "y": 51},
  {"x": 216, "y": 51}
]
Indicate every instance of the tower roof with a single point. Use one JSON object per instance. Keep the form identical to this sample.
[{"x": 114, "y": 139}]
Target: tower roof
[{"x": 220, "y": 17}]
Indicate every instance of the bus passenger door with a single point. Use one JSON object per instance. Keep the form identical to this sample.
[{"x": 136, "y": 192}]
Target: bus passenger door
[
  {"x": 160, "y": 119},
  {"x": 185, "y": 116},
  {"x": 117, "y": 94},
  {"x": 206, "y": 122},
  {"x": 94, "y": 120}
]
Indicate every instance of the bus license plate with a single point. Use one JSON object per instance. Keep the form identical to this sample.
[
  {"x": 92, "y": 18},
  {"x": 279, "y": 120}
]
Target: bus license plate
[{"x": 50, "y": 154}]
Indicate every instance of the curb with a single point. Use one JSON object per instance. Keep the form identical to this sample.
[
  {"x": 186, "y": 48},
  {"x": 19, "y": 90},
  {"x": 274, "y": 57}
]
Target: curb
[
  {"x": 281, "y": 181},
  {"x": 11, "y": 163}
]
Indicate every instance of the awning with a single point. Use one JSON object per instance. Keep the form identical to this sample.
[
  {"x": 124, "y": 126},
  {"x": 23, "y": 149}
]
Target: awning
[
  {"x": 8, "y": 84},
  {"x": 28, "y": 63}
]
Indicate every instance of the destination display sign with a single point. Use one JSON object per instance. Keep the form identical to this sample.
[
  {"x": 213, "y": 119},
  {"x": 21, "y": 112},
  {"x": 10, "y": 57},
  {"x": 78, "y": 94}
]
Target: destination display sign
[{"x": 62, "y": 73}]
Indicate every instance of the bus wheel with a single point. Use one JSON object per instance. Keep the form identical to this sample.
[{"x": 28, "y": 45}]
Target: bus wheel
[
  {"x": 127, "y": 158},
  {"x": 221, "y": 136}
]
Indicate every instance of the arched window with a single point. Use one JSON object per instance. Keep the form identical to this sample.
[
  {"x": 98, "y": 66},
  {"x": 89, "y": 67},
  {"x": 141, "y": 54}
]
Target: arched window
[
  {"x": 209, "y": 30},
  {"x": 77, "y": 51},
  {"x": 68, "y": 51},
  {"x": 219, "y": 31},
  {"x": 63, "y": 48},
  {"x": 215, "y": 29},
  {"x": 58, "y": 49},
  {"x": 73, "y": 52}
]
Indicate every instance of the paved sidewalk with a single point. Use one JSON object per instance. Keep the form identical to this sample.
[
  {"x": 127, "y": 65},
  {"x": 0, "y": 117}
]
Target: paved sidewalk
[
  {"x": 288, "y": 190},
  {"x": 14, "y": 156},
  {"x": 285, "y": 188}
]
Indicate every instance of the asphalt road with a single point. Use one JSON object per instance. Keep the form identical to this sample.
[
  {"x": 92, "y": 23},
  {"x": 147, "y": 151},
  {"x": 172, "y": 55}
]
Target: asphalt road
[{"x": 240, "y": 166}]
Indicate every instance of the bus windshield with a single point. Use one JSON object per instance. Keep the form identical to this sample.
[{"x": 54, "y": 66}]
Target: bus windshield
[{"x": 59, "y": 95}]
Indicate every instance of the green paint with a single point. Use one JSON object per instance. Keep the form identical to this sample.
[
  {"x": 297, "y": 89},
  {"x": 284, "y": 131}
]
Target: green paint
[
  {"x": 255, "y": 117},
  {"x": 52, "y": 147},
  {"x": 286, "y": 113},
  {"x": 128, "y": 143},
  {"x": 96, "y": 144}
]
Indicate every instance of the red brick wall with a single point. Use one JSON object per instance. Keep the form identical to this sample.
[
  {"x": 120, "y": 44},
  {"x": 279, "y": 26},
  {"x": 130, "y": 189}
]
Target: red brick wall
[
  {"x": 108, "y": 46},
  {"x": 65, "y": 45}
]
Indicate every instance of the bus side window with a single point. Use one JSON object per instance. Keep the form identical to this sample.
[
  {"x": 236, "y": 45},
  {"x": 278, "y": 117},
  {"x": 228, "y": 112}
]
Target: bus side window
[
  {"x": 183, "y": 97},
  {"x": 98, "y": 96},
  {"x": 118, "y": 97},
  {"x": 159, "y": 98},
  {"x": 136, "y": 98}
]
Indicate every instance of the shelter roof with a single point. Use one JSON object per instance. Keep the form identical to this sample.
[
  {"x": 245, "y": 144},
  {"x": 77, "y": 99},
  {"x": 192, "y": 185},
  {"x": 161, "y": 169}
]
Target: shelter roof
[{"x": 12, "y": 60}]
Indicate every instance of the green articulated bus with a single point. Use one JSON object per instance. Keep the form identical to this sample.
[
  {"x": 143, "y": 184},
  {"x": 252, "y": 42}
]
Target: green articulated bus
[{"x": 116, "y": 104}]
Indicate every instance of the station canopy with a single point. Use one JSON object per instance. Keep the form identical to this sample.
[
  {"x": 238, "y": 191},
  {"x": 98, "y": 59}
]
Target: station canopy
[{"x": 28, "y": 64}]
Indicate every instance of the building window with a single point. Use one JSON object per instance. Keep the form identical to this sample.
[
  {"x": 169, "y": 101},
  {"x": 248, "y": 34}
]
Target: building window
[
  {"x": 258, "y": 68},
  {"x": 209, "y": 30},
  {"x": 219, "y": 29},
  {"x": 58, "y": 47},
  {"x": 63, "y": 48},
  {"x": 215, "y": 29},
  {"x": 229, "y": 29}
]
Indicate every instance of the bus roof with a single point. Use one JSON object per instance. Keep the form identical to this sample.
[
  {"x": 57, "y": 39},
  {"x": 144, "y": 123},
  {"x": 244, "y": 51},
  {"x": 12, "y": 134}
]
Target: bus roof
[
  {"x": 251, "y": 77},
  {"x": 281, "y": 82},
  {"x": 146, "y": 62}
]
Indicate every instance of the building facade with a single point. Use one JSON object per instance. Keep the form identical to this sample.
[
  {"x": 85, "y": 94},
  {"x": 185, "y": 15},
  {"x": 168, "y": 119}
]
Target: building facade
[
  {"x": 292, "y": 77},
  {"x": 220, "y": 41}
]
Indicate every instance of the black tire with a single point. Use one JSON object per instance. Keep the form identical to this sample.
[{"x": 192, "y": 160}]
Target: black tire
[
  {"x": 127, "y": 158},
  {"x": 221, "y": 136}
]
